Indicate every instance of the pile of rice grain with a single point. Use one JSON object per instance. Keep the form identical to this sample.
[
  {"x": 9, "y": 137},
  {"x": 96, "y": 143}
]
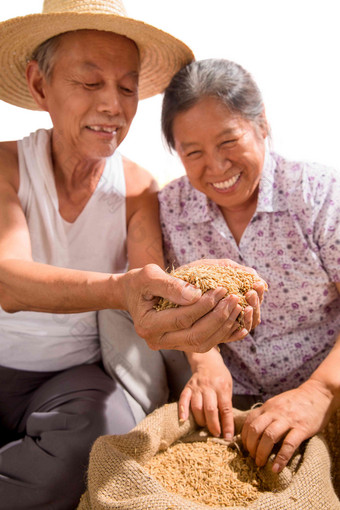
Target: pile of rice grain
[
  {"x": 237, "y": 281},
  {"x": 208, "y": 472}
]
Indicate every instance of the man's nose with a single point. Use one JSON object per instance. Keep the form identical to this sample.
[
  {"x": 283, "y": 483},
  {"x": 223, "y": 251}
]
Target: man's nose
[{"x": 109, "y": 100}]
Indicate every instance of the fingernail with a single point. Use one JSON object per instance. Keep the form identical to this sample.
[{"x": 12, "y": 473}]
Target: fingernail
[
  {"x": 276, "y": 467},
  {"x": 189, "y": 292},
  {"x": 228, "y": 437},
  {"x": 252, "y": 299}
]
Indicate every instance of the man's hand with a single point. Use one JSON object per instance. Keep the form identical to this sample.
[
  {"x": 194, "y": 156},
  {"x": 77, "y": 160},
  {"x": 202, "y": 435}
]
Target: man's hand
[
  {"x": 197, "y": 326},
  {"x": 209, "y": 394},
  {"x": 292, "y": 416}
]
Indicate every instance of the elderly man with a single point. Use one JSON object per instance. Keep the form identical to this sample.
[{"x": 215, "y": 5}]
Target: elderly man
[{"x": 73, "y": 214}]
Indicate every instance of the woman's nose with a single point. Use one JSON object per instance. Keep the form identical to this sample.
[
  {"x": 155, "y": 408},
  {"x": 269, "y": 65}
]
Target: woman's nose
[{"x": 218, "y": 163}]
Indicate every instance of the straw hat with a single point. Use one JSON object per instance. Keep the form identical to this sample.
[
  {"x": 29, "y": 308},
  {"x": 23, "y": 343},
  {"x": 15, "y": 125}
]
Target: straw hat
[{"x": 161, "y": 54}]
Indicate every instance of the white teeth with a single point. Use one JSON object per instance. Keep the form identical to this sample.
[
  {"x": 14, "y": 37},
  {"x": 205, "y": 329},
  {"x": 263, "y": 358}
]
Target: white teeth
[
  {"x": 102, "y": 128},
  {"x": 226, "y": 184}
]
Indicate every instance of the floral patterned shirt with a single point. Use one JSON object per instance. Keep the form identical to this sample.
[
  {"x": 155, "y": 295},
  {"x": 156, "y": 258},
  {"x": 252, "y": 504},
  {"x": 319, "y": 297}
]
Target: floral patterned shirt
[{"x": 293, "y": 241}]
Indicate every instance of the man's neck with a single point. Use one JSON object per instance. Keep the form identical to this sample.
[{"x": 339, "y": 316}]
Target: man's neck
[{"x": 76, "y": 180}]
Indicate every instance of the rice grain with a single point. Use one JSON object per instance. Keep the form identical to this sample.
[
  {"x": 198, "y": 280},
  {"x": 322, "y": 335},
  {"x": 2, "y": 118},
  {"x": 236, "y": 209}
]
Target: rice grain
[
  {"x": 208, "y": 472},
  {"x": 235, "y": 280}
]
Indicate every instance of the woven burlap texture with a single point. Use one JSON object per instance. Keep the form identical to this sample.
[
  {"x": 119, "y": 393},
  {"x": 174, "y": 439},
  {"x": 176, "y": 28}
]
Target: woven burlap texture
[{"x": 117, "y": 480}]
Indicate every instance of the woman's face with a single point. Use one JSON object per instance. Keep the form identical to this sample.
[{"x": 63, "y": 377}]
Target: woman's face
[{"x": 222, "y": 153}]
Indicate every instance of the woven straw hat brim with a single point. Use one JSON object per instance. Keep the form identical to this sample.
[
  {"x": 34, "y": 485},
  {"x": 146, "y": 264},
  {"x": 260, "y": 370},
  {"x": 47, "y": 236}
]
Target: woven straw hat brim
[{"x": 162, "y": 55}]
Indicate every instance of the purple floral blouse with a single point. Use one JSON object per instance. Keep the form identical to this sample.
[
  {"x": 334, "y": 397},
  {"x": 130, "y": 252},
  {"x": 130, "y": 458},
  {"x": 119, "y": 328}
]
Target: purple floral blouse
[{"x": 293, "y": 241}]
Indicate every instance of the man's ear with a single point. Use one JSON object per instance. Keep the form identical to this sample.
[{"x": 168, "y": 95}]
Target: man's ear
[{"x": 36, "y": 84}]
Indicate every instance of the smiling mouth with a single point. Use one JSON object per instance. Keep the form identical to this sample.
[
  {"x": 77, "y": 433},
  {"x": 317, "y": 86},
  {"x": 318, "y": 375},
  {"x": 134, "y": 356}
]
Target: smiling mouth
[
  {"x": 223, "y": 185},
  {"x": 103, "y": 129}
]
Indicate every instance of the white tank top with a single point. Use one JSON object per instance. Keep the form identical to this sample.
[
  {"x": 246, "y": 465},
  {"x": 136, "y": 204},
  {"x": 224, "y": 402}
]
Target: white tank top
[{"x": 96, "y": 241}]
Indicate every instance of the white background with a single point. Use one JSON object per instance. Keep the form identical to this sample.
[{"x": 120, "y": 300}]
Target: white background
[{"x": 290, "y": 46}]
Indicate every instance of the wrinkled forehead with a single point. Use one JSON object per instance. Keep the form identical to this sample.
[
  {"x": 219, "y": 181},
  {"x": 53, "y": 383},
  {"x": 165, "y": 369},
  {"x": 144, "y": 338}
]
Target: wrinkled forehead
[{"x": 84, "y": 41}]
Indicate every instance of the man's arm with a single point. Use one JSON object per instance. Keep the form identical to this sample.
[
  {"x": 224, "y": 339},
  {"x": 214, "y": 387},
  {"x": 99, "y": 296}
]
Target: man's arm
[
  {"x": 144, "y": 236},
  {"x": 25, "y": 284},
  {"x": 31, "y": 286},
  {"x": 28, "y": 285}
]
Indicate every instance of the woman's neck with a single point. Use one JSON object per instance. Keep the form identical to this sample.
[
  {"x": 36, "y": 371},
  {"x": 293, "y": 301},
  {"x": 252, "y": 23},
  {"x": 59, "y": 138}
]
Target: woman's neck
[{"x": 239, "y": 218}]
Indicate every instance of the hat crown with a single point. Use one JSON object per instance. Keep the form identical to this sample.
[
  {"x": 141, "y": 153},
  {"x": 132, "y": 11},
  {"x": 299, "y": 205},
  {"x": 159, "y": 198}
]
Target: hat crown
[
  {"x": 89, "y": 6},
  {"x": 161, "y": 54}
]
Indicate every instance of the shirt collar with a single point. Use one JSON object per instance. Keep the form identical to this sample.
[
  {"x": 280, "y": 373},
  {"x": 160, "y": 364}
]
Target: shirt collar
[
  {"x": 269, "y": 198},
  {"x": 200, "y": 209}
]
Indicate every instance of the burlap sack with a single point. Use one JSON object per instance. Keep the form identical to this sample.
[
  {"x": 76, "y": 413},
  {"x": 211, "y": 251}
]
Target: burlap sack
[{"x": 117, "y": 480}]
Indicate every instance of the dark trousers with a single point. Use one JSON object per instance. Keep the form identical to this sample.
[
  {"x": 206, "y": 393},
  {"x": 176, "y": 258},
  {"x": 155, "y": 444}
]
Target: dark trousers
[{"x": 48, "y": 423}]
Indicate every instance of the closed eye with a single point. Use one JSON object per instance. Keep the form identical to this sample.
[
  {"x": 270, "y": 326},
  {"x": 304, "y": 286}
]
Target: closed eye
[
  {"x": 228, "y": 142},
  {"x": 129, "y": 90},
  {"x": 193, "y": 154},
  {"x": 91, "y": 85}
]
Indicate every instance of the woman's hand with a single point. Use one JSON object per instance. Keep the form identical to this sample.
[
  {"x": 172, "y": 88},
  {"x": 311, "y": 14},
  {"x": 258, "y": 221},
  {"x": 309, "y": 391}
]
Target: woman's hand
[
  {"x": 292, "y": 416},
  {"x": 209, "y": 394}
]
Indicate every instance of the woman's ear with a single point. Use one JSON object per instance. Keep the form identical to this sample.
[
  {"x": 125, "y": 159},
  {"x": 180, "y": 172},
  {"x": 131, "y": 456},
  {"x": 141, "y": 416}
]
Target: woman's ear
[
  {"x": 36, "y": 83},
  {"x": 263, "y": 124}
]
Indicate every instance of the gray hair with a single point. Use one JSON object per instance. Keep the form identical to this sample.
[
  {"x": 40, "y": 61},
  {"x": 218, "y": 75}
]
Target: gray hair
[
  {"x": 220, "y": 78},
  {"x": 45, "y": 53}
]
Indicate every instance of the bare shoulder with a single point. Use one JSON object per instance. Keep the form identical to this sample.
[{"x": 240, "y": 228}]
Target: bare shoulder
[
  {"x": 8, "y": 152},
  {"x": 9, "y": 163},
  {"x": 138, "y": 180}
]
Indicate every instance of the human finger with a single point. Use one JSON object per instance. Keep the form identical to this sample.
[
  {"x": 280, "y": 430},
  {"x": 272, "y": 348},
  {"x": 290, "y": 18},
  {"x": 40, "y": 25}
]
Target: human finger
[
  {"x": 225, "y": 408},
  {"x": 254, "y": 302},
  {"x": 219, "y": 324},
  {"x": 157, "y": 282},
  {"x": 275, "y": 431},
  {"x": 228, "y": 328},
  {"x": 237, "y": 334},
  {"x": 209, "y": 330},
  {"x": 260, "y": 287},
  {"x": 211, "y": 412},
  {"x": 178, "y": 323},
  {"x": 253, "y": 429},
  {"x": 290, "y": 444},
  {"x": 185, "y": 316},
  {"x": 184, "y": 403},
  {"x": 247, "y": 318},
  {"x": 197, "y": 408}
]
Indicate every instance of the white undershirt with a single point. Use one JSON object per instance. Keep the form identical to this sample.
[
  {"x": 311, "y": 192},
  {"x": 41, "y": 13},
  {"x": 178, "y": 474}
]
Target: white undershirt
[{"x": 96, "y": 241}]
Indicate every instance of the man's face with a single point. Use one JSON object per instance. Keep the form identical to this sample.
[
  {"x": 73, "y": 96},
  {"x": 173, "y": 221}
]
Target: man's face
[{"x": 92, "y": 93}]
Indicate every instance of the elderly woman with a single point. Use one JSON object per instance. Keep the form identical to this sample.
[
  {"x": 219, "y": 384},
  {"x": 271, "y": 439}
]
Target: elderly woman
[{"x": 280, "y": 217}]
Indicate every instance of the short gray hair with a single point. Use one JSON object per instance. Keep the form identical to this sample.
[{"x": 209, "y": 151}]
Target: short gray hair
[
  {"x": 220, "y": 78},
  {"x": 45, "y": 53}
]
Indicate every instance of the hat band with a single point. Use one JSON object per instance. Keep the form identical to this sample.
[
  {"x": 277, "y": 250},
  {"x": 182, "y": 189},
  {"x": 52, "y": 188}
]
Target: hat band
[{"x": 89, "y": 6}]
